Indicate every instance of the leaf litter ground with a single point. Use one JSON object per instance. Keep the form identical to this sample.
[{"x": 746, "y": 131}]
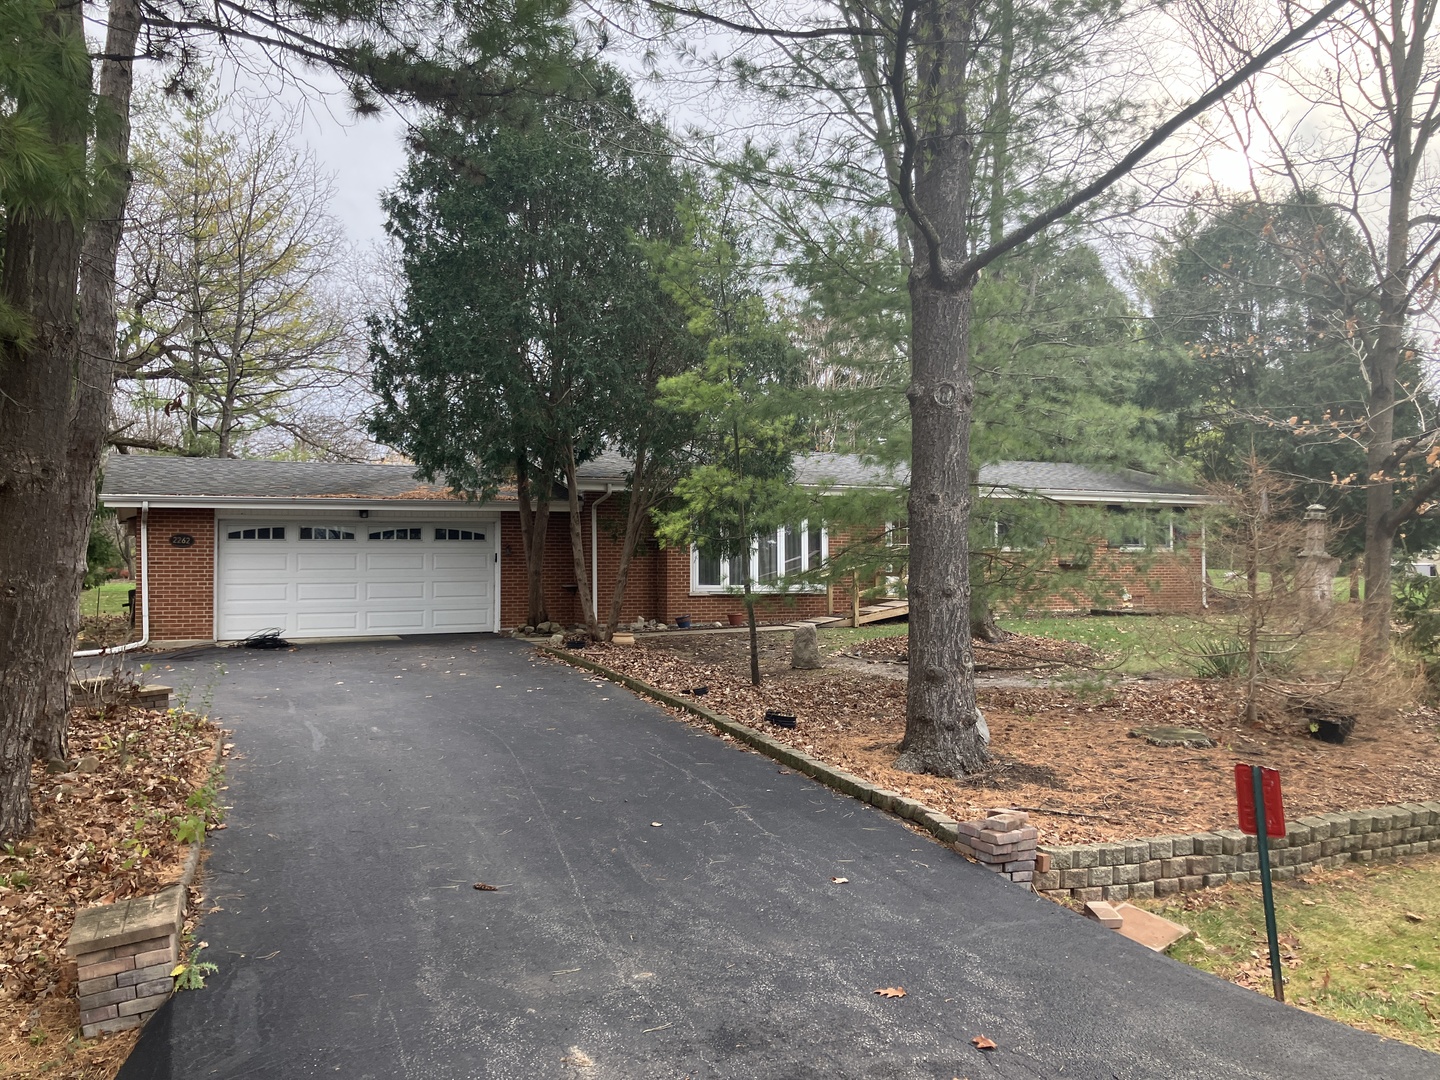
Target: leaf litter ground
[
  {"x": 100, "y": 836},
  {"x": 1061, "y": 752}
]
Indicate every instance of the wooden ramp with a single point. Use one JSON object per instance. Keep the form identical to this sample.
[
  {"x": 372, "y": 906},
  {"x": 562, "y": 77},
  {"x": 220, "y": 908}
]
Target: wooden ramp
[{"x": 885, "y": 609}]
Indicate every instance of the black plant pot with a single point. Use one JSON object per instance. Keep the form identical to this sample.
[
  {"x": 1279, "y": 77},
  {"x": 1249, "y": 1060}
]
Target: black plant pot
[
  {"x": 1332, "y": 729},
  {"x": 780, "y": 719}
]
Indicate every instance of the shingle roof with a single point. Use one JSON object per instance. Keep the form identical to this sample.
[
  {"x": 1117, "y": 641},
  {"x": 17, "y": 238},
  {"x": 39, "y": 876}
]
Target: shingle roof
[
  {"x": 1077, "y": 481},
  {"x": 847, "y": 470},
  {"x": 158, "y": 476}
]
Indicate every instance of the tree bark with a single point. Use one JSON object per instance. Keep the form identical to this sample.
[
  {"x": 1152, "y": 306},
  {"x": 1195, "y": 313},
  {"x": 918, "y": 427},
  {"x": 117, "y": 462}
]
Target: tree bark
[
  {"x": 534, "y": 517},
  {"x": 54, "y": 415},
  {"x": 754, "y": 637},
  {"x": 944, "y": 733},
  {"x": 636, "y": 508},
  {"x": 94, "y": 378},
  {"x": 577, "y": 543}
]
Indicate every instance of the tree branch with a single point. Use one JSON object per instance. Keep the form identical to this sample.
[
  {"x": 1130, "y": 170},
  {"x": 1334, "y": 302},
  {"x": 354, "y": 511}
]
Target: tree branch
[
  {"x": 1143, "y": 150},
  {"x": 763, "y": 31}
]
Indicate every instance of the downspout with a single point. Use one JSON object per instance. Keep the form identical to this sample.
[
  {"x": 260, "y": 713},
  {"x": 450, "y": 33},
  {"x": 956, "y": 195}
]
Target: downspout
[
  {"x": 144, "y": 593},
  {"x": 595, "y": 554},
  {"x": 1204, "y": 573}
]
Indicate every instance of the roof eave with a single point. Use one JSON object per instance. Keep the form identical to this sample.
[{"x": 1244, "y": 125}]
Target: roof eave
[{"x": 1068, "y": 495}]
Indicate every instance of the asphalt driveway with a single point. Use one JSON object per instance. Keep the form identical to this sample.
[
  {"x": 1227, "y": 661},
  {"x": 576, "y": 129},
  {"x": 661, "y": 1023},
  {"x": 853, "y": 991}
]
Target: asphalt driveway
[{"x": 666, "y": 907}]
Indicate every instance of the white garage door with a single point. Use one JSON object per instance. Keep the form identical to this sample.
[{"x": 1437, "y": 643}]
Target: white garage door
[{"x": 357, "y": 578}]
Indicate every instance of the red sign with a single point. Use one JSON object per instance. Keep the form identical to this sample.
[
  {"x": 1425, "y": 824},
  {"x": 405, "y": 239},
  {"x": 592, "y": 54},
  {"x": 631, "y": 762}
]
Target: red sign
[{"x": 1270, "y": 790}]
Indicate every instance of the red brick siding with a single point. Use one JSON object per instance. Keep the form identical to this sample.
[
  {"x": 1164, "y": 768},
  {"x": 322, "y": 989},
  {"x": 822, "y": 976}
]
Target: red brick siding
[
  {"x": 659, "y": 584},
  {"x": 182, "y": 579},
  {"x": 1162, "y": 581}
]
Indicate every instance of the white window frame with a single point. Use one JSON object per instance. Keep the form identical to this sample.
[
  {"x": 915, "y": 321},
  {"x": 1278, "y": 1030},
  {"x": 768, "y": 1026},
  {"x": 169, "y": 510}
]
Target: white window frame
[
  {"x": 1159, "y": 521},
  {"x": 726, "y": 586}
]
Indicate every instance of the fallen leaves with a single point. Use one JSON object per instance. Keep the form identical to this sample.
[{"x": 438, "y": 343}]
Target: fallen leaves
[
  {"x": 486, "y": 888},
  {"x": 840, "y": 881},
  {"x": 1413, "y": 917},
  {"x": 100, "y": 836},
  {"x": 656, "y": 825},
  {"x": 1052, "y": 746},
  {"x": 982, "y": 1043},
  {"x": 890, "y": 991}
]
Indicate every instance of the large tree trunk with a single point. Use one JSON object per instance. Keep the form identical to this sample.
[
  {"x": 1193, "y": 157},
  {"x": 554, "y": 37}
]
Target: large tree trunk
[
  {"x": 94, "y": 378},
  {"x": 577, "y": 543},
  {"x": 1406, "y": 77},
  {"x": 534, "y": 518},
  {"x": 944, "y": 733},
  {"x": 636, "y": 508},
  {"x": 42, "y": 259},
  {"x": 54, "y": 411}
]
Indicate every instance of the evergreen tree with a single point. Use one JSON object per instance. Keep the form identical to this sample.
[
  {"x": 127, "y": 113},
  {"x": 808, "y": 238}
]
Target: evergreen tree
[{"x": 529, "y": 313}]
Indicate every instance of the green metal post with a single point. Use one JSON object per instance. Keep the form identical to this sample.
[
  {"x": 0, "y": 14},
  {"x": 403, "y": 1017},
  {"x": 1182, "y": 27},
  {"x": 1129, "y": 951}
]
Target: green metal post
[{"x": 1262, "y": 843}]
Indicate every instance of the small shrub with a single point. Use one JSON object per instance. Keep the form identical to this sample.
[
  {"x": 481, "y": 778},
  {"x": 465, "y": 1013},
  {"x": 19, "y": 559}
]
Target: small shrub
[
  {"x": 1220, "y": 658},
  {"x": 1417, "y": 605}
]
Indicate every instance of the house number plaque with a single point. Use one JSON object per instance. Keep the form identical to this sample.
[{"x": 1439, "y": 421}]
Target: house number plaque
[{"x": 182, "y": 540}]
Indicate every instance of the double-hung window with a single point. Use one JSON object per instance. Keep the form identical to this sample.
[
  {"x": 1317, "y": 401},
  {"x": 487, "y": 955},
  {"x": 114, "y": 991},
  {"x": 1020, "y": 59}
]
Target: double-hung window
[{"x": 784, "y": 553}]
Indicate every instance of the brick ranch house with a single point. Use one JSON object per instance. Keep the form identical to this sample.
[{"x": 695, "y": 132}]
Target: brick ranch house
[{"x": 228, "y": 548}]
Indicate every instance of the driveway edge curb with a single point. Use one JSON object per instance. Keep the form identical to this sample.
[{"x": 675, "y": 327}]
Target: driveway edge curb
[{"x": 942, "y": 826}]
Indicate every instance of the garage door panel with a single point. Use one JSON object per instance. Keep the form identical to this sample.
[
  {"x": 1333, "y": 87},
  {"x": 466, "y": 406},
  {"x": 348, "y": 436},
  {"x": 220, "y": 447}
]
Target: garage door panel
[
  {"x": 375, "y": 560},
  {"x": 455, "y": 589},
  {"x": 395, "y": 590},
  {"x": 344, "y": 562},
  {"x": 354, "y": 588},
  {"x": 327, "y": 622},
  {"x": 327, "y": 590},
  {"x": 264, "y": 560},
  {"x": 456, "y": 620},
  {"x": 462, "y": 558},
  {"x": 247, "y": 593},
  {"x": 395, "y": 621}
]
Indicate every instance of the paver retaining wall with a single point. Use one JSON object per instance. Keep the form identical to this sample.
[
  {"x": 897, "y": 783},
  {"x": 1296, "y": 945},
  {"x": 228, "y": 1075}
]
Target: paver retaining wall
[{"x": 1169, "y": 864}]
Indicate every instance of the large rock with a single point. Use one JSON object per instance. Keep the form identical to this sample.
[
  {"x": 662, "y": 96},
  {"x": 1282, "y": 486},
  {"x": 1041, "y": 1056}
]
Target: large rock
[{"x": 805, "y": 649}]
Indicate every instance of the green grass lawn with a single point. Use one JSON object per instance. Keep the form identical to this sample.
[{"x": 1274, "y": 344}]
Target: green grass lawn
[
  {"x": 109, "y": 596},
  {"x": 1363, "y": 944}
]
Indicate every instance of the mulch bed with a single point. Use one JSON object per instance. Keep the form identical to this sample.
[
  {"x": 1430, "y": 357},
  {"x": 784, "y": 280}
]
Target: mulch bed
[
  {"x": 1064, "y": 756},
  {"x": 101, "y": 836}
]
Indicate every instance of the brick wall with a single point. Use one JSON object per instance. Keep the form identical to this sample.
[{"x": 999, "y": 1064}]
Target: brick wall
[
  {"x": 659, "y": 584},
  {"x": 1167, "y": 582},
  {"x": 182, "y": 579}
]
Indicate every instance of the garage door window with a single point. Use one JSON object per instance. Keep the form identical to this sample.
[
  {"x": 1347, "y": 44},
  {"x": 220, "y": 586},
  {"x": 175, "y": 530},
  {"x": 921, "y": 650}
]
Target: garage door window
[
  {"x": 458, "y": 534},
  {"x": 324, "y": 532},
  {"x": 396, "y": 534},
  {"x": 264, "y": 532}
]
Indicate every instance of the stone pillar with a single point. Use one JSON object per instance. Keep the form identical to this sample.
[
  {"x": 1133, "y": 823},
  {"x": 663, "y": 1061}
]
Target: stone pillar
[
  {"x": 125, "y": 953},
  {"x": 1314, "y": 569}
]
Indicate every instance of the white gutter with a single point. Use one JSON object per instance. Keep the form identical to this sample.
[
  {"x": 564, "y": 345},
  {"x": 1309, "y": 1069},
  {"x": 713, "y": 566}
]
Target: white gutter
[
  {"x": 144, "y": 593},
  {"x": 595, "y": 554}
]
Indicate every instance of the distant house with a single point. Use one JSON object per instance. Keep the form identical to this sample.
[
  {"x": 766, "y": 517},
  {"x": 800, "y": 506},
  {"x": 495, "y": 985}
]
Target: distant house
[{"x": 232, "y": 547}]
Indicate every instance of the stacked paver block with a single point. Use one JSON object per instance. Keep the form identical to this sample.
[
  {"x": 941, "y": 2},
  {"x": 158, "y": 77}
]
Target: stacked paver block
[
  {"x": 1164, "y": 865},
  {"x": 1001, "y": 841},
  {"x": 125, "y": 953}
]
